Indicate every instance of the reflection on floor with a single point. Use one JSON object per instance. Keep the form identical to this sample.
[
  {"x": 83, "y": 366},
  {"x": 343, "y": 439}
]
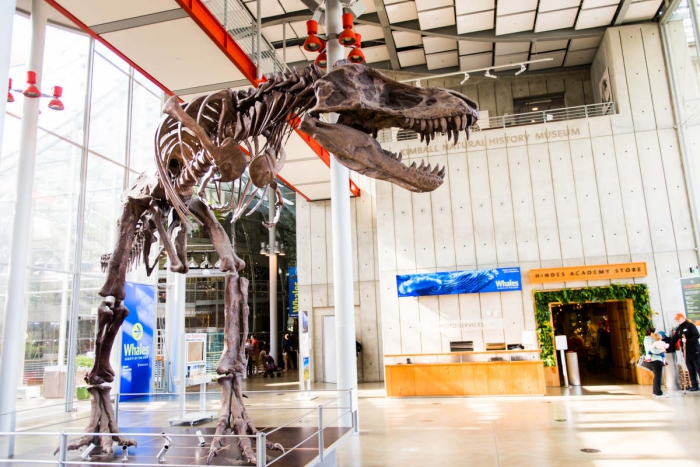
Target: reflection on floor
[{"x": 623, "y": 422}]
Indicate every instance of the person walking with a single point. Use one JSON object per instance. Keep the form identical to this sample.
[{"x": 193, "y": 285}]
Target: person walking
[
  {"x": 656, "y": 362},
  {"x": 255, "y": 344},
  {"x": 687, "y": 334},
  {"x": 287, "y": 350}
]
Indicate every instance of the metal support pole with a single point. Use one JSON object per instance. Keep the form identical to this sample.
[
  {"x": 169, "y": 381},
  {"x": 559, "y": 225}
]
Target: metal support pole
[
  {"x": 694, "y": 15},
  {"x": 15, "y": 310},
  {"x": 116, "y": 409},
  {"x": 320, "y": 433},
  {"x": 7, "y": 16},
  {"x": 262, "y": 449},
  {"x": 284, "y": 43},
  {"x": 353, "y": 411},
  {"x": 62, "y": 449},
  {"x": 273, "y": 279},
  {"x": 175, "y": 330},
  {"x": 686, "y": 152},
  {"x": 258, "y": 61},
  {"x": 341, "y": 227}
]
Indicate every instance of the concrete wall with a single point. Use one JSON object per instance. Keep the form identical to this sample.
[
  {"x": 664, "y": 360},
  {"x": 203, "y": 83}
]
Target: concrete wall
[{"x": 591, "y": 191}]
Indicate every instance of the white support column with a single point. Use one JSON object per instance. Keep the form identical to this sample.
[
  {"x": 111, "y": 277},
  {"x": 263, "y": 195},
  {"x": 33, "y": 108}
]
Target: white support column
[
  {"x": 7, "y": 16},
  {"x": 175, "y": 331},
  {"x": 342, "y": 246},
  {"x": 273, "y": 281},
  {"x": 15, "y": 310}
]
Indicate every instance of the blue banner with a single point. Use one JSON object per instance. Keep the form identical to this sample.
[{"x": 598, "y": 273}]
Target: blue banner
[
  {"x": 457, "y": 282},
  {"x": 293, "y": 292},
  {"x": 137, "y": 340}
]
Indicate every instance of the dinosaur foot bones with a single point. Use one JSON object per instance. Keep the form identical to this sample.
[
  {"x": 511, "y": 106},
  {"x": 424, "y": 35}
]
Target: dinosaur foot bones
[{"x": 101, "y": 421}]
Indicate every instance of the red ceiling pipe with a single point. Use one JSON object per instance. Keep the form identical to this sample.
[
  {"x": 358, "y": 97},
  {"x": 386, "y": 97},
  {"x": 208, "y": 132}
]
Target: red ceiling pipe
[{"x": 10, "y": 97}]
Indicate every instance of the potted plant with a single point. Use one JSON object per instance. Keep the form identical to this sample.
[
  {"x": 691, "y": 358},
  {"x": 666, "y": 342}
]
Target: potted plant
[{"x": 83, "y": 363}]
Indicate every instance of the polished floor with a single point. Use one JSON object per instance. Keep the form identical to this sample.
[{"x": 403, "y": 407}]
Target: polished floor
[{"x": 601, "y": 426}]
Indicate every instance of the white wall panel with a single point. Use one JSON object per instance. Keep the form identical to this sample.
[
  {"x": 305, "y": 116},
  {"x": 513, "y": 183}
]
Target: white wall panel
[
  {"x": 622, "y": 122},
  {"x": 609, "y": 195},
  {"x": 667, "y": 274},
  {"x": 319, "y": 270},
  {"x": 365, "y": 238},
  {"x": 470, "y": 310},
  {"x": 441, "y": 208},
  {"x": 658, "y": 211},
  {"x": 429, "y": 309},
  {"x": 565, "y": 199},
  {"x": 449, "y": 314},
  {"x": 481, "y": 208},
  {"x": 501, "y": 202},
  {"x": 527, "y": 294},
  {"x": 369, "y": 331},
  {"x": 543, "y": 195},
  {"x": 409, "y": 316},
  {"x": 403, "y": 230},
  {"x": 513, "y": 320},
  {"x": 523, "y": 208},
  {"x": 460, "y": 194},
  {"x": 329, "y": 241},
  {"x": 656, "y": 70},
  {"x": 587, "y": 198},
  {"x": 423, "y": 231},
  {"x": 390, "y": 315},
  {"x": 676, "y": 188},
  {"x": 632, "y": 191},
  {"x": 635, "y": 67},
  {"x": 385, "y": 227}
]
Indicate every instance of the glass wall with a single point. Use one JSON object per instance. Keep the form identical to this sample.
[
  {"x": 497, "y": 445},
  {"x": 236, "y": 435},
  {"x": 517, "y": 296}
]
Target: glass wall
[
  {"x": 83, "y": 163},
  {"x": 86, "y": 156}
]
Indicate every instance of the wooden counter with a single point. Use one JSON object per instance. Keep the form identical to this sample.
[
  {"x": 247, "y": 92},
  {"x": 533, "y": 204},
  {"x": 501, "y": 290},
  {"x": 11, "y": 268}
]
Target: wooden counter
[{"x": 465, "y": 379}]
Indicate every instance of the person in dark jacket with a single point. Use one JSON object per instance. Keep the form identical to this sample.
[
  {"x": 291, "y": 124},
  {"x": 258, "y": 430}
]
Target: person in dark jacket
[{"x": 687, "y": 334}]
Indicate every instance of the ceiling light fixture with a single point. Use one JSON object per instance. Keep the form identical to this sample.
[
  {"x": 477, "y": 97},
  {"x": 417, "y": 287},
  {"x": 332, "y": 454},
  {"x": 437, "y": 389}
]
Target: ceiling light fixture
[
  {"x": 489, "y": 75},
  {"x": 466, "y": 77},
  {"x": 356, "y": 55},
  {"x": 322, "y": 59},
  {"x": 10, "y": 97},
  {"x": 347, "y": 38},
  {"x": 487, "y": 69},
  {"x": 312, "y": 43},
  {"x": 55, "y": 103},
  {"x": 31, "y": 90},
  {"x": 521, "y": 70}
]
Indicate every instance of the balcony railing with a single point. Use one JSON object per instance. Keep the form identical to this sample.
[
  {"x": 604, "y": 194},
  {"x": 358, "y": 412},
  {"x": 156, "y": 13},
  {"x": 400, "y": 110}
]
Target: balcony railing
[
  {"x": 240, "y": 23},
  {"x": 507, "y": 121}
]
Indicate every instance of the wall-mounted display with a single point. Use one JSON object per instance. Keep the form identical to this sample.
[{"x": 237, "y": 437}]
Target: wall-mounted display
[
  {"x": 690, "y": 287},
  {"x": 459, "y": 282}
]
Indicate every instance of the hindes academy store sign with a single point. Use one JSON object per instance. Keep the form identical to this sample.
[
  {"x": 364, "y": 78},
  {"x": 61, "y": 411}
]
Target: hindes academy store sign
[{"x": 578, "y": 273}]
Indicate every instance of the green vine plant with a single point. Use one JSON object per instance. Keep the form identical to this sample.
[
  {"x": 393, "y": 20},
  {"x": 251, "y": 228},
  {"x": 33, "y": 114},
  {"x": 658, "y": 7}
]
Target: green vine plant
[{"x": 638, "y": 293}]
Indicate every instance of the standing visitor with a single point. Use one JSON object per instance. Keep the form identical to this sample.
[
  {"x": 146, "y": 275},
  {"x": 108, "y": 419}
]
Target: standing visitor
[
  {"x": 256, "y": 352},
  {"x": 687, "y": 334},
  {"x": 656, "y": 362},
  {"x": 287, "y": 350}
]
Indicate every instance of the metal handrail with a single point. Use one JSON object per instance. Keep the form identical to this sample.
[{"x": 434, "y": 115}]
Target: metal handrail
[{"x": 508, "y": 121}]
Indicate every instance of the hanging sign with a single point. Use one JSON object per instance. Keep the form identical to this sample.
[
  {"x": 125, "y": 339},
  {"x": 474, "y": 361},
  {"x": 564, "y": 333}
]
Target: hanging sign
[
  {"x": 690, "y": 287},
  {"x": 293, "y": 292},
  {"x": 137, "y": 340},
  {"x": 578, "y": 273},
  {"x": 459, "y": 282}
]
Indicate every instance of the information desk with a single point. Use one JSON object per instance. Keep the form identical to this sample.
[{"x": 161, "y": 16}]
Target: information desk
[{"x": 505, "y": 372}]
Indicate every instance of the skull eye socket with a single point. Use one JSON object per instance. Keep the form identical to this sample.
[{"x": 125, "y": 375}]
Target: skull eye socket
[{"x": 398, "y": 98}]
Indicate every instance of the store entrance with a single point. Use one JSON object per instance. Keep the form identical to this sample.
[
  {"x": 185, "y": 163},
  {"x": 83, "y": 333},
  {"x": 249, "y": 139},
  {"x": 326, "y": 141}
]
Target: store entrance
[{"x": 601, "y": 334}]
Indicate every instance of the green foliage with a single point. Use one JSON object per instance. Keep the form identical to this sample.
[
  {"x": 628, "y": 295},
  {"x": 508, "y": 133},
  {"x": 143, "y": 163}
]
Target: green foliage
[
  {"x": 638, "y": 293},
  {"x": 83, "y": 361}
]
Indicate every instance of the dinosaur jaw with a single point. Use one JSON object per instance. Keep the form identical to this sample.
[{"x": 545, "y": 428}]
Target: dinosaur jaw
[{"x": 360, "y": 152}]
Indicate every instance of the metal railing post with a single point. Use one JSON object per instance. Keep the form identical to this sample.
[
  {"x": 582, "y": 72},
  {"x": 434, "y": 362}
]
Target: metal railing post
[
  {"x": 62, "y": 449},
  {"x": 262, "y": 449},
  {"x": 354, "y": 412},
  {"x": 320, "y": 433},
  {"x": 585, "y": 110},
  {"x": 116, "y": 409}
]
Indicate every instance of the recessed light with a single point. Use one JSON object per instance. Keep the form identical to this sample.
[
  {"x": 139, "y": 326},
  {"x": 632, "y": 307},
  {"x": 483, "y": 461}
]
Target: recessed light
[{"x": 535, "y": 108}]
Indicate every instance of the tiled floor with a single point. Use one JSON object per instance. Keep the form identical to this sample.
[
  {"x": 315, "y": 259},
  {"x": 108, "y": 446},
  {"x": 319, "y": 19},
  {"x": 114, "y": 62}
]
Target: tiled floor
[{"x": 624, "y": 423}]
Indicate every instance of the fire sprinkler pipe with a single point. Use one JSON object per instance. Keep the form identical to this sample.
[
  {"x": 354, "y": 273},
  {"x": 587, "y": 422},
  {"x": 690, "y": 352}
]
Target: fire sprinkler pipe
[{"x": 342, "y": 247}]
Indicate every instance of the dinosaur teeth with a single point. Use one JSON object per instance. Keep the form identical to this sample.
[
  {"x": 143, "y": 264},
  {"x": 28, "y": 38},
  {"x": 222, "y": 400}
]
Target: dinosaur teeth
[
  {"x": 429, "y": 124},
  {"x": 442, "y": 172},
  {"x": 413, "y": 166},
  {"x": 428, "y": 169},
  {"x": 400, "y": 157},
  {"x": 456, "y": 134},
  {"x": 427, "y": 138},
  {"x": 422, "y": 165},
  {"x": 443, "y": 124},
  {"x": 422, "y": 137},
  {"x": 411, "y": 122},
  {"x": 423, "y": 125},
  {"x": 436, "y": 170},
  {"x": 375, "y": 132}
]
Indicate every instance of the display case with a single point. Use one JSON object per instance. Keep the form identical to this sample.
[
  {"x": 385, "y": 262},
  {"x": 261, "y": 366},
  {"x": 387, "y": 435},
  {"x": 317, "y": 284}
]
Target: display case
[{"x": 503, "y": 372}]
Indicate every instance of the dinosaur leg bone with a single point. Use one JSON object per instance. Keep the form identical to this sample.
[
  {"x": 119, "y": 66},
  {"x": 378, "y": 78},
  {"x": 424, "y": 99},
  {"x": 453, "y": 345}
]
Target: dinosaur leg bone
[
  {"x": 120, "y": 259},
  {"x": 219, "y": 238},
  {"x": 110, "y": 318}
]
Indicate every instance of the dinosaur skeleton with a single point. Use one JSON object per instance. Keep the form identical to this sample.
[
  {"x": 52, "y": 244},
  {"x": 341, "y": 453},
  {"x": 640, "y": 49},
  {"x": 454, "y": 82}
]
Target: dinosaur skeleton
[{"x": 201, "y": 142}]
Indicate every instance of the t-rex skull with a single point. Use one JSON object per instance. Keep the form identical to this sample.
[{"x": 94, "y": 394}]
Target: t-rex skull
[{"x": 367, "y": 101}]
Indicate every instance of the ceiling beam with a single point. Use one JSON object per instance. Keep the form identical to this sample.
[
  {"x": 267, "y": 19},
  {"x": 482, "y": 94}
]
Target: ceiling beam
[
  {"x": 212, "y": 87},
  {"x": 139, "y": 21},
  {"x": 388, "y": 36},
  {"x": 450, "y": 32},
  {"x": 622, "y": 12},
  {"x": 669, "y": 8}
]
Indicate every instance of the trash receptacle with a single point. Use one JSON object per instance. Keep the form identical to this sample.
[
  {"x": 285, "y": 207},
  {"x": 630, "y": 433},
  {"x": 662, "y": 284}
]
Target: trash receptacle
[{"x": 572, "y": 368}]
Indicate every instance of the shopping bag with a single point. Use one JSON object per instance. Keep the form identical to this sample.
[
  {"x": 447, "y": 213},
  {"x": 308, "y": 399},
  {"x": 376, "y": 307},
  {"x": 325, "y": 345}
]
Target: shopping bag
[{"x": 644, "y": 365}]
